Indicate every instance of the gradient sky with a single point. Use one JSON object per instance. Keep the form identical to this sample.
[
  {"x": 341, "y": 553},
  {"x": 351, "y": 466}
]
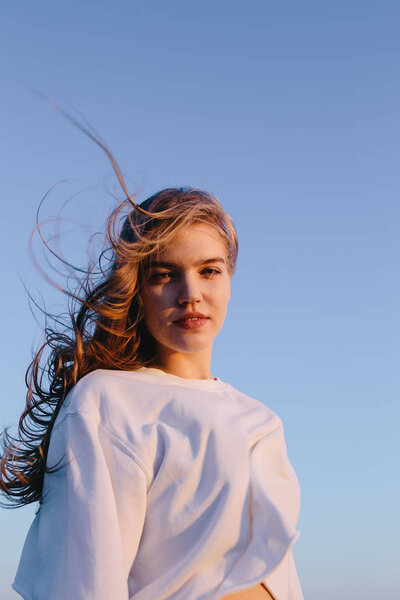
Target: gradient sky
[{"x": 289, "y": 112}]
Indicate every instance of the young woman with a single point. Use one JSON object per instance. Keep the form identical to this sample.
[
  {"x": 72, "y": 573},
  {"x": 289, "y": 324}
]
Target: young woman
[{"x": 156, "y": 480}]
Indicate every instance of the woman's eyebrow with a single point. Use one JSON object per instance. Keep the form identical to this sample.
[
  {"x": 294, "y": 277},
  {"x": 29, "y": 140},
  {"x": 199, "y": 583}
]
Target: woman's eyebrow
[{"x": 203, "y": 261}]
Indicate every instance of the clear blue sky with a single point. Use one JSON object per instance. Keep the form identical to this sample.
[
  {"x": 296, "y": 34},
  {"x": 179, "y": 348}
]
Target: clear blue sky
[{"x": 289, "y": 112}]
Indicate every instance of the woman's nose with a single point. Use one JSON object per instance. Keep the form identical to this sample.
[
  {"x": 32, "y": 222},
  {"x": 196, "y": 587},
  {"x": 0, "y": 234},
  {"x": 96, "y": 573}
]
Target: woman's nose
[{"x": 189, "y": 289}]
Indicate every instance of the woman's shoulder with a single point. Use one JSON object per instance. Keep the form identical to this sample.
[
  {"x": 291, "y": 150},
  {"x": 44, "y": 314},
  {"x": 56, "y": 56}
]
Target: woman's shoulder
[
  {"x": 255, "y": 404},
  {"x": 102, "y": 394},
  {"x": 111, "y": 400},
  {"x": 88, "y": 389}
]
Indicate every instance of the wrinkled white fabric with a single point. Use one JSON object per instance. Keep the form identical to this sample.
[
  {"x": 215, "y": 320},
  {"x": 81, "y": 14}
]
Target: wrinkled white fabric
[{"x": 175, "y": 488}]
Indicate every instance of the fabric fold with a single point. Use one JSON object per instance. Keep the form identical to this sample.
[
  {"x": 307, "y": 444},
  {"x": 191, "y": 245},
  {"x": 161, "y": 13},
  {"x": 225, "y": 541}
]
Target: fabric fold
[{"x": 275, "y": 503}]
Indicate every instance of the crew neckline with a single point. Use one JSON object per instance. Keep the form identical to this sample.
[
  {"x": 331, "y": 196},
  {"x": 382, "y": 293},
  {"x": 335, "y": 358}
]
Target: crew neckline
[{"x": 211, "y": 384}]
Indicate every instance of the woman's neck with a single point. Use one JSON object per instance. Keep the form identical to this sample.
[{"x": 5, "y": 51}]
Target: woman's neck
[{"x": 184, "y": 365}]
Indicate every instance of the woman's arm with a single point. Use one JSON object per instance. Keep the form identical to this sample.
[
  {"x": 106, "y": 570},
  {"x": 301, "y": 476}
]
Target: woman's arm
[{"x": 84, "y": 539}]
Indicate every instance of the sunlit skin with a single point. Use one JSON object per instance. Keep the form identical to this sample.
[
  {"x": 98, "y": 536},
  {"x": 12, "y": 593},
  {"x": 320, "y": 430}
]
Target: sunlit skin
[
  {"x": 257, "y": 592},
  {"x": 196, "y": 279}
]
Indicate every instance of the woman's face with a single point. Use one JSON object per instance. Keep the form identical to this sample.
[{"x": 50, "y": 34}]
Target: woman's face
[{"x": 189, "y": 276}]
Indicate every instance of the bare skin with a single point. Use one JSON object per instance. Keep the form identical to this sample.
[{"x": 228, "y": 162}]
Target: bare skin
[
  {"x": 258, "y": 592},
  {"x": 190, "y": 275}
]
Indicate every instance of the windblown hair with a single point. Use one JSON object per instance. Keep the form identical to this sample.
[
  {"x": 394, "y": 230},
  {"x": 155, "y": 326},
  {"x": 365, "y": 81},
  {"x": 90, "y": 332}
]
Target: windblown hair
[{"x": 104, "y": 327}]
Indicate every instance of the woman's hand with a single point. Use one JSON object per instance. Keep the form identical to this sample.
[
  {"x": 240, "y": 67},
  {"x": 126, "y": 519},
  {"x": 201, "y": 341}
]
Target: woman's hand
[{"x": 257, "y": 592}]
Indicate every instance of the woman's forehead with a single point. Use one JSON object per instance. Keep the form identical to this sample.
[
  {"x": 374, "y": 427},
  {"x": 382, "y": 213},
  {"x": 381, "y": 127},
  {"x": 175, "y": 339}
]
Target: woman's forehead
[{"x": 199, "y": 242}]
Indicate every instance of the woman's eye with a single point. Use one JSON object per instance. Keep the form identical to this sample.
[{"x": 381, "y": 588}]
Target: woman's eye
[
  {"x": 211, "y": 272},
  {"x": 167, "y": 275},
  {"x": 161, "y": 276}
]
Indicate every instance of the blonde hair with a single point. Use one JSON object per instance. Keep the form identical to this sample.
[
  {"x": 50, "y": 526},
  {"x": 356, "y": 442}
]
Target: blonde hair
[{"x": 104, "y": 327}]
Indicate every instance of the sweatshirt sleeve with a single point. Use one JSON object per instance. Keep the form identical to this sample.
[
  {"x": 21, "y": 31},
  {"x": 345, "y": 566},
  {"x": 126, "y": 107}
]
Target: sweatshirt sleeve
[
  {"x": 284, "y": 582},
  {"x": 84, "y": 539}
]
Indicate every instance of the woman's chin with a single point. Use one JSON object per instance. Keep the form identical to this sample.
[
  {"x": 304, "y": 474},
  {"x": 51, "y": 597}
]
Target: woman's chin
[{"x": 188, "y": 346}]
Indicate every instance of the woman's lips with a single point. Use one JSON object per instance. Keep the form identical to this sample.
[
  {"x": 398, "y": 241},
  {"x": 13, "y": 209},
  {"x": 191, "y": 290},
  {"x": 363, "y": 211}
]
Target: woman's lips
[{"x": 193, "y": 323}]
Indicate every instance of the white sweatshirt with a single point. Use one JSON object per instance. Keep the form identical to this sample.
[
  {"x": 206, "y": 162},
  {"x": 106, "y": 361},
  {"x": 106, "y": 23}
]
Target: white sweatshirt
[{"x": 175, "y": 488}]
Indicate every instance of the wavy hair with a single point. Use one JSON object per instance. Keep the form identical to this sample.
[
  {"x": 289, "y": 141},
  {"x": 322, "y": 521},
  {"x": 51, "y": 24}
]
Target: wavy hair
[{"x": 104, "y": 327}]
